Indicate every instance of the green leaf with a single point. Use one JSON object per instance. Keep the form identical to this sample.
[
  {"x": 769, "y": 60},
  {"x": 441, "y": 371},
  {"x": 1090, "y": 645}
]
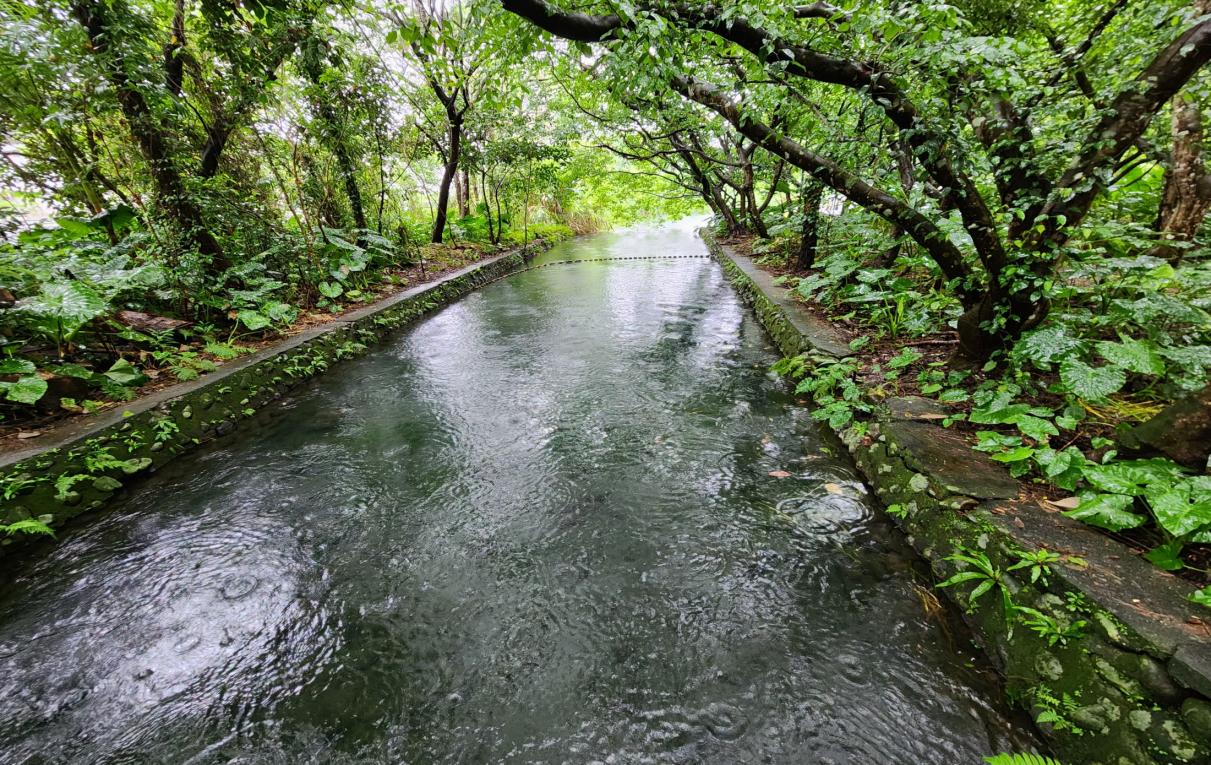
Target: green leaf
[
  {"x": 27, "y": 526},
  {"x": 64, "y": 306},
  {"x": 119, "y": 217},
  {"x": 283, "y": 313},
  {"x": 124, "y": 373},
  {"x": 1177, "y": 512},
  {"x": 1063, "y": 468},
  {"x": 1047, "y": 345},
  {"x": 1015, "y": 455},
  {"x": 73, "y": 370},
  {"x": 331, "y": 290},
  {"x": 963, "y": 576},
  {"x": 953, "y": 395},
  {"x": 1021, "y": 759},
  {"x": 1107, "y": 511},
  {"x": 1168, "y": 556},
  {"x": 905, "y": 358},
  {"x": 76, "y": 226},
  {"x": 1132, "y": 476},
  {"x": 999, "y": 415},
  {"x": 1202, "y": 597},
  {"x": 253, "y": 320},
  {"x": 1139, "y": 356},
  {"x": 1036, "y": 428},
  {"x": 17, "y": 367},
  {"x": 26, "y": 390},
  {"x": 221, "y": 350},
  {"x": 1091, "y": 383}
]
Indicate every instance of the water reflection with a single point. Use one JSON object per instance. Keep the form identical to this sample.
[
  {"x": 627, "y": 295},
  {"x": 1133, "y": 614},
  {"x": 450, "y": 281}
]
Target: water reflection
[{"x": 538, "y": 527}]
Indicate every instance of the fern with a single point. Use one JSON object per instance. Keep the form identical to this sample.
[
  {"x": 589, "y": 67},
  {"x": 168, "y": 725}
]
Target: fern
[
  {"x": 1020, "y": 759},
  {"x": 27, "y": 526}
]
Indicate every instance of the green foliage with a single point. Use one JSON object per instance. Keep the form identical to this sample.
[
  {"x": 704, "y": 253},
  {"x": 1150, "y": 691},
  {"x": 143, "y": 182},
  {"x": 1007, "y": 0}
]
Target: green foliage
[
  {"x": 1055, "y": 710},
  {"x": 30, "y": 526},
  {"x": 1202, "y": 597},
  {"x": 831, "y": 385},
  {"x": 983, "y": 576},
  {"x": 1020, "y": 759}
]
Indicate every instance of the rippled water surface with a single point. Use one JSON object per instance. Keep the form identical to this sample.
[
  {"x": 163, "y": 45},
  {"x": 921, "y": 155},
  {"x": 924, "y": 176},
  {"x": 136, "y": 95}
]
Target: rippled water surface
[{"x": 539, "y": 526}]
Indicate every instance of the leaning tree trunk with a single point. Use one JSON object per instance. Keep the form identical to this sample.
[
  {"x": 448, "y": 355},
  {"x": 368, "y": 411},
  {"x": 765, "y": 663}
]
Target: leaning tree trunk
[
  {"x": 1187, "y": 194},
  {"x": 443, "y": 192},
  {"x": 171, "y": 194},
  {"x": 809, "y": 235}
]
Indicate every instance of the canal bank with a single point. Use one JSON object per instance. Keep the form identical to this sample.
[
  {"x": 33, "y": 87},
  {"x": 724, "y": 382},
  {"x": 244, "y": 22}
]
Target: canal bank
[
  {"x": 570, "y": 517},
  {"x": 1114, "y": 662},
  {"x": 81, "y": 465}
]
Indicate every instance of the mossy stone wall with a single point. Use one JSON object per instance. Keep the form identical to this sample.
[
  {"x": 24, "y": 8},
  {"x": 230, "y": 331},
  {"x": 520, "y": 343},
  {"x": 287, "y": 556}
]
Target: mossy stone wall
[
  {"x": 1132, "y": 685},
  {"x": 93, "y": 461}
]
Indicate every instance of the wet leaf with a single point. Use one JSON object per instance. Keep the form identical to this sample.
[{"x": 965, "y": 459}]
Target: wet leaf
[{"x": 1107, "y": 511}]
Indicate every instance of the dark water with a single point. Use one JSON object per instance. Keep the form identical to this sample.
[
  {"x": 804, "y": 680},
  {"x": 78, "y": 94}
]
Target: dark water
[{"x": 537, "y": 527}]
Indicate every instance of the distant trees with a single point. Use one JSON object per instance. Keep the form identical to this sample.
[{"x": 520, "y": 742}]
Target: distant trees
[{"x": 1015, "y": 157}]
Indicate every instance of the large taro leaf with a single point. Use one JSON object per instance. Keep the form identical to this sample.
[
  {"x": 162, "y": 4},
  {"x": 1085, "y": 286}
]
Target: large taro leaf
[
  {"x": 1107, "y": 511},
  {"x": 1091, "y": 383},
  {"x": 1138, "y": 356},
  {"x": 26, "y": 390},
  {"x": 63, "y": 307}
]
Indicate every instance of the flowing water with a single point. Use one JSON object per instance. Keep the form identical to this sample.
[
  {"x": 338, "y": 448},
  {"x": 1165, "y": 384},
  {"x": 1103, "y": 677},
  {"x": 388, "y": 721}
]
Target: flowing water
[{"x": 539, "y": 526}]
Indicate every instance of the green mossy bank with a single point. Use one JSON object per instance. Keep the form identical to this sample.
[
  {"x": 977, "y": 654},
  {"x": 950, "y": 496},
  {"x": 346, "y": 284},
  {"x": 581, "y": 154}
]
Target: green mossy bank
[
  {"x": 1119, "y": 671},
  {"x": 85, "y": 464}
]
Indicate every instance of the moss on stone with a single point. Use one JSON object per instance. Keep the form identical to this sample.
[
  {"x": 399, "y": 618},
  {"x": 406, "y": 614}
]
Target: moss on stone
[{"x": 1123, "y": 701}]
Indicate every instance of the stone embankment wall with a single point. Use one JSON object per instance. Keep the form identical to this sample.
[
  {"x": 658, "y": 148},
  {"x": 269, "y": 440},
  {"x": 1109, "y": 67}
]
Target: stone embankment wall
[
  {"x": 81, "y": 465},
  {"x": 1129, "y": 686}
]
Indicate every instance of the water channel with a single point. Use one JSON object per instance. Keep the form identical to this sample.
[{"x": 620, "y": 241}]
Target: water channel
[{"x": 538, "y": 526}]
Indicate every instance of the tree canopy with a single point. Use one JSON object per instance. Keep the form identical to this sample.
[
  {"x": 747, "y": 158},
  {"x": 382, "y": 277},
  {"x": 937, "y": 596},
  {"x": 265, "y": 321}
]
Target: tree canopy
[{"x": 1022, "y": 183}]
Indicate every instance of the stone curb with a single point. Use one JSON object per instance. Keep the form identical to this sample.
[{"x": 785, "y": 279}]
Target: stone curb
[
  {"x": 82, "y": 465},
  {"x": 1135, "y": 679}
]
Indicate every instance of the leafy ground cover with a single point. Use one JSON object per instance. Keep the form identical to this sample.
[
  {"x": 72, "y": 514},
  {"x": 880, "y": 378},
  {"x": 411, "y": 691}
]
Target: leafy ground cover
[
  {"x": 1127, "y": 335},
  {"x": 98, "y": 325}
]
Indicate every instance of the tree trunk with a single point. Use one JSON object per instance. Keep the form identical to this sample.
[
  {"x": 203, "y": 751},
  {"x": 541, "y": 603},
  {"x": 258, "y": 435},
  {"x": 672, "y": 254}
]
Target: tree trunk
[
  {"x": 171, "y": 194},
  {"x": 174, "y": 63},
  {"x": 997, "y": 321},
  {"x": 1187, "y": 194},
  {"x": 331, "y": 130},
  {"x": 483, "y": 189},
  {"x": 809, "y": 235},
  {"x": 752, "y": 212},
  {"x": 463, "y": 188},
  {"x": 443, "y": 192},
  {"x": 349, "y": 176}
]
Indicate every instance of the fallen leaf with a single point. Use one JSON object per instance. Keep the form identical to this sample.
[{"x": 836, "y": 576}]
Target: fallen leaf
[
  {"x": 833, "y": 488},
  {"x": 29, "y": 434},
  {"x": 780, "y": 474},
  {"x": 1068, "y": 503},
  {"x": 1018, "y": 522}
]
